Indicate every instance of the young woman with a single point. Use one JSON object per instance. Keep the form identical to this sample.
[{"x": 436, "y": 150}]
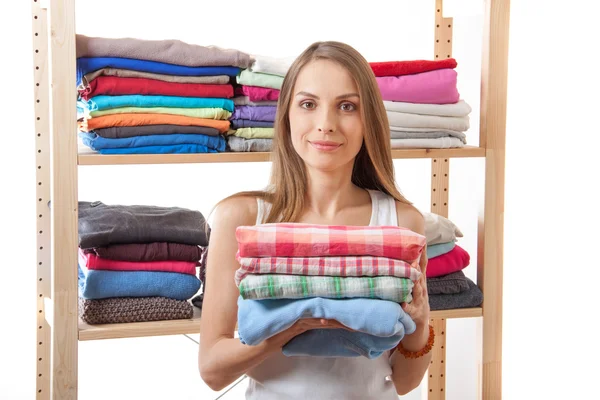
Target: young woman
[{"x": 333, "y": 166}]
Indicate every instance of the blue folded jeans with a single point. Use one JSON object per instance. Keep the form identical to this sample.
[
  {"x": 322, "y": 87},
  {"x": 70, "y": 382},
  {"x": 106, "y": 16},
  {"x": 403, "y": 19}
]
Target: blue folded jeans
[{"x": 378, "y": 325}]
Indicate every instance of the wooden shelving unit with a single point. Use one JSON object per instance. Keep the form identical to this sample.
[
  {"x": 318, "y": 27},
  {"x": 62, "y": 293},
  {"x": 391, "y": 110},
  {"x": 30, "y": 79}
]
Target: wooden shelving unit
[{"x": 57, "y": 161}]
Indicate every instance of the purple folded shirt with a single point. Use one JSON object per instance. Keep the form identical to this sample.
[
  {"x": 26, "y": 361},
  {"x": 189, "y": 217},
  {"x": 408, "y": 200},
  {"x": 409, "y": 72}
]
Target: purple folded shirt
[{"x": 254, "y": 113}]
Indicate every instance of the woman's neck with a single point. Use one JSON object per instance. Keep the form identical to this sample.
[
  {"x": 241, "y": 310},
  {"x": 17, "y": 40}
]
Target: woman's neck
[{"x": 330, "y": 193}]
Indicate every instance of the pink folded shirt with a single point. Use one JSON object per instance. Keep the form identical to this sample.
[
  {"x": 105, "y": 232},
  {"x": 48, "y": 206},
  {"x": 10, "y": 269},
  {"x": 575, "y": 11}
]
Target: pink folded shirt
[
  {"x": 455, "y": 260},
  {"x": 92, "y": 261},
  {"x": 309, "y": 240},
  {"x": 432, "y": 87}
]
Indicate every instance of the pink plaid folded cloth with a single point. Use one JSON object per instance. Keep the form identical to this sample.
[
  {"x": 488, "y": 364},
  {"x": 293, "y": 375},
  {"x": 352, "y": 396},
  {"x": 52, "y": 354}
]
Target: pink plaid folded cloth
[
  {"x": 310, "y": 240},
  {"x": 346, "y": 266}
]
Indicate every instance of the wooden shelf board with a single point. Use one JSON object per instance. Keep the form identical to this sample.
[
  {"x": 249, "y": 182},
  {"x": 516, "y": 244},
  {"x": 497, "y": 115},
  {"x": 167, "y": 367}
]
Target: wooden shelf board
[
  {"x": 93, "y": 158},
  {"x": 192, "y": 326}
]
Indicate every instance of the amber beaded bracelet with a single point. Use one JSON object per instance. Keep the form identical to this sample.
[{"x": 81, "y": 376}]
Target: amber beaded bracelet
[{"x": 420, "y": 353}]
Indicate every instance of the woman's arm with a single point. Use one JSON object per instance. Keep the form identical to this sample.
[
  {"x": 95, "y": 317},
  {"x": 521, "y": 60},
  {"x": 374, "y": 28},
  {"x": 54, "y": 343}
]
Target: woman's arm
[
  {"x": 222, "y": 358},
  {"x": 408, "y": 373}
]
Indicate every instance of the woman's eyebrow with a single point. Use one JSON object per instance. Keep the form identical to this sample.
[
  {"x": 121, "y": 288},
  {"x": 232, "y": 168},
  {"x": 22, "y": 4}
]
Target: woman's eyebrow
[{"x": 342, "y": 96}]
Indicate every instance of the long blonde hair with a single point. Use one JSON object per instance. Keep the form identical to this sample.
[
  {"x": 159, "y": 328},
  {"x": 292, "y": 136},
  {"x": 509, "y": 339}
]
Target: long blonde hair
[{"x": 373, "y": 166}]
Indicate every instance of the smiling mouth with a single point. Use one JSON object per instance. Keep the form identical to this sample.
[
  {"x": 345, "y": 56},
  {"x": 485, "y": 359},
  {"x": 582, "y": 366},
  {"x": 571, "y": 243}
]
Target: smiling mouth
[{"x": 325, "y": 145}]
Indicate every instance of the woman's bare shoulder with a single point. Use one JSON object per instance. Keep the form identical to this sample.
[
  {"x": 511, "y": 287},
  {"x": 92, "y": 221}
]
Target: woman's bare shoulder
[
  {"x": 410, "y": 217},
  {"x": 236, "y": 211}
]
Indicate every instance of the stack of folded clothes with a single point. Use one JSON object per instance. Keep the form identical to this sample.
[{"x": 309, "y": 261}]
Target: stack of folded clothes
[
  {"x": 422, "y": 102},
  {"x": 447, "y": 285},
  {"x": 256, "y": 104},
  {"x": 154, "y": 96},
  {"x": 355, "y": 275},
  {"x": 138, "y": 263}
]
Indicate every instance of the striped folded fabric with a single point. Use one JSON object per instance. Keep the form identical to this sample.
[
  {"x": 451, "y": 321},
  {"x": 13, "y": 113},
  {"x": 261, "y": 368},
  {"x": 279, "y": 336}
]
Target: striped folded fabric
[
  {"x": 344, "y": 266},
  {"x": 270, "y": 286},
  {"x": 310, "y": 240}
]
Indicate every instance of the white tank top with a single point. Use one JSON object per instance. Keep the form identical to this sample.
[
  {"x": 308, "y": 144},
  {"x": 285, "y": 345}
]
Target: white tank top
[{"x": 319, "y": 378}]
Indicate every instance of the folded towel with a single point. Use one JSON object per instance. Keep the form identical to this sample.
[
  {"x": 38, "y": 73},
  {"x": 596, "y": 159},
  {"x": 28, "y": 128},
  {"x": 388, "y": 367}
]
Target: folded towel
[
  {"x": 260, "y": 319},
  {"x": 310, "y": 240},
  {"x": 278, "y": 286},
  {"x": 99, "y": 284},
  {"x": 102, "y": 225},
  {"x": 133, "y": 309},
  {"x": 397, "y": 68},
  {"x": 342, "y": 266},
  {"x": 168, "y": 51}
]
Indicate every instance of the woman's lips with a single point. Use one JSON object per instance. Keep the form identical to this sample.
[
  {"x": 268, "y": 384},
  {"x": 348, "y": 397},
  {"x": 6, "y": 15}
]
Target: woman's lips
[{"x": 325, "y": 145}]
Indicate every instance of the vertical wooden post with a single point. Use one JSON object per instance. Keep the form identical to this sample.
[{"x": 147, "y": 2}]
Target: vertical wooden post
[
  {"x": 440, "y": 183},
  {"x": 491, "y": 223},
  {"x": 63, "y": 158},
  {"x": 42, "y": 167}
]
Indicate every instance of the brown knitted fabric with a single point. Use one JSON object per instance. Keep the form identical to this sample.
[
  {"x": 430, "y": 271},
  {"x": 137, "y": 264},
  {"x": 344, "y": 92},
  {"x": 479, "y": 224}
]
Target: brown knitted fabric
[{"x": 116, "y": 310}]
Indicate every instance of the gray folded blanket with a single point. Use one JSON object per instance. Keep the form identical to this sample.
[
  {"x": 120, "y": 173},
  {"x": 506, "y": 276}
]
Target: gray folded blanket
[
  {"x": 102, "y": 225},
  {"x": 166, "y": 51},
  {"x": 473, "y": 297}
]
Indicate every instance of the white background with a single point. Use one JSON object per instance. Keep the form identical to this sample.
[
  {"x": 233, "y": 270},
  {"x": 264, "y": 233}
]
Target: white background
[{"x": 550, "y": 220}]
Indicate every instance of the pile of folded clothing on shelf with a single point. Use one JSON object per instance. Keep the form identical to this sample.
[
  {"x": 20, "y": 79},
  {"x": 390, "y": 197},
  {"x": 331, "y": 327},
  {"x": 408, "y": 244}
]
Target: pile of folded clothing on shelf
[
  {"x": 138, "y": 262},
  {"x": 154, "y": 96},
  {"x": 257, "y": 92},
  {"x": 422, "y": 103},
  {"x": 447, "y": 284},
  {"x": 356, "y": 275}
]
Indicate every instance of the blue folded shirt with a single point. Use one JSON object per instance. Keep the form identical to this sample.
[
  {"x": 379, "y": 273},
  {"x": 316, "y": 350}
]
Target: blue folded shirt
[{"x": 378, "y": 325}]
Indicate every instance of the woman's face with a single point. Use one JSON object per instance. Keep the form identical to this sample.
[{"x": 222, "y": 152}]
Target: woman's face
[{"x": 325, "y": 118}]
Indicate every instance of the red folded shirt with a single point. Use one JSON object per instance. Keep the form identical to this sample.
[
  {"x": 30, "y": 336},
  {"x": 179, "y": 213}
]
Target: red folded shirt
[
  {"x": 397, "y": 68},
  {"x": 114, "y": 85}
]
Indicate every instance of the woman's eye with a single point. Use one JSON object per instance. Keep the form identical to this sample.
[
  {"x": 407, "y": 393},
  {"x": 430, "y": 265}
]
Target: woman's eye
[
  {"x": 348, "y": 107},
  {"x": 309, "y": 105}
]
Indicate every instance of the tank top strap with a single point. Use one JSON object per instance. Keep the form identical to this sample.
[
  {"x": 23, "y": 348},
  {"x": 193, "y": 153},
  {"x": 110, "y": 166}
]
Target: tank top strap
[{"x": 383, "y": 209}]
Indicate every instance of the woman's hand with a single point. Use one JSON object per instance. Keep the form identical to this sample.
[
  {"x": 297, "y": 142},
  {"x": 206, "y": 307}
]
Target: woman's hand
[
  {"x": 418, "y": 309},
  {"x": 276, "y": 342}
]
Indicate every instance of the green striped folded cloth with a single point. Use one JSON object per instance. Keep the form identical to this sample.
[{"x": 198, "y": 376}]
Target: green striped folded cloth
[{"x": 280, "y": 286}]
